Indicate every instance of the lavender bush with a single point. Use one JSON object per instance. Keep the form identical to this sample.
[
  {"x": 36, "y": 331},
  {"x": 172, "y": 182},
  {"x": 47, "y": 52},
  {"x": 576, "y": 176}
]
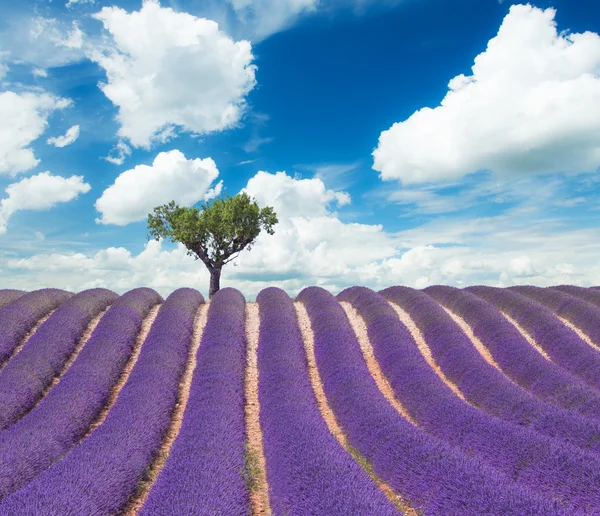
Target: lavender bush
[
  {"x": 7, "y": 295},
  {"x": 523, "y": 455},
  {"x": 204, "y": 473},
  {"x": 99, "y": 475},
  {"x": 308, "y": 471},
  {"x": 18, "y": 317},
  {"x": 428, "y": 472},
  {"x": 64, "y": 416},
  {"x": 482, "y": 384},
  {"x": 515, "y": 356},
  {"x": 536, "y": 308},
  {"x": 591, "y": 295},
  {"x": 32, "y": 370}
]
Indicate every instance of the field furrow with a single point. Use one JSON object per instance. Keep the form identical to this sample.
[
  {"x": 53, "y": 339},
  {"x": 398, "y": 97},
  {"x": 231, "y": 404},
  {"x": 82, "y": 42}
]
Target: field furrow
[
  {"x": 27, "y": 377},
  {"x": 256, "y": 469},
  {"x": 538, "y": 310},
  {"x": 112, "y": 460},
  {"x": 452, "y": 344},
  {"x": 204, "y": 473},
  {"x": 20, "y": 318},
  {"x": 65, "y": 415},
  {"x": 329, "y": 417},
  {"x": 308, "y": 471},
  {"x": 525, "y": 456},
  {"x": 440, "y": 401},
  {"x": 515, "y": 356},
  {"x": 427, "y": 472}
]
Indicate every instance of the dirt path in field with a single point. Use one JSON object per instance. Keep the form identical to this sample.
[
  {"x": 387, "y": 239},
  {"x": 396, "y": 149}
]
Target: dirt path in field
[
  {"x": 85, "y": 336},
  {"x": 407, "y": 320},
  {"x": 255, "y": 463},
  {"x": 136, "y": 501},
  {"x": 29, "y": 334},
  {"x": 114, "y": 393},
  {"x": 329, "y": 417},
  {"x": 360, "y": 329},
  {"x": 579, "y": 332},
  {"x": 527, "y": 336}
]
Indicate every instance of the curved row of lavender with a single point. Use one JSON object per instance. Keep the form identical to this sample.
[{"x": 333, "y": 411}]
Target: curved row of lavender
[
  {"x": 308, "y": 470},
  {"x": 515, "y": 356},
  {"x": 204, "y": 473},
  {"x": 19, "y": 316},
  {"x": 64, "y": 416},
  {"x": 536, "y": 309},
  {"x": 30, "y": 372},
  {"x": 102, "y": 472},
  {"x": 7, "y": 295},
  {"x": 531, "y": 459},
  {"x": 587, "y": 294},
  {"x": 427, "y": 472},
  {"x": 482, "y": 384}
]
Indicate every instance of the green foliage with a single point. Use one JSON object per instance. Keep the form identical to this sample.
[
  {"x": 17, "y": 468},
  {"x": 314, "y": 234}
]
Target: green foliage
[
  {"x": 251, "y": 469},
  {"x": 215, "y": 233}
]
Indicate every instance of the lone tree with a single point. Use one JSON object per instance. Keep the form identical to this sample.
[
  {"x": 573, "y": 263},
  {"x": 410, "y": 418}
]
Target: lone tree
[{"x": 214, "y": 234}]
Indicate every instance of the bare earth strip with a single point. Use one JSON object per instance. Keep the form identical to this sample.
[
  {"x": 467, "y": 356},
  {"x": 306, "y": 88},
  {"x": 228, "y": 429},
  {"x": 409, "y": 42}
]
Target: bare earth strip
[
  {"x": 527, "y": 336},
  {"x": 329, "y": 417},
  {"x": 145, "y": 329},
  {"x": 137, "y": 500},
  {"x": 582, "y": 335},
  {"x": 259, "y": 492},
  {"x": 30, "y": 333},
  {"x": 479, "y": 346},
  {"x": 82, "y": 341},
  {"x": 360, "y": 329},
  {"x": 424, "y": 348}
]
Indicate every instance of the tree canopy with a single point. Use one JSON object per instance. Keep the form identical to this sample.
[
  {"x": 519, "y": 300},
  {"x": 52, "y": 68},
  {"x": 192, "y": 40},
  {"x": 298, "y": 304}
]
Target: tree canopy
[{"x": 215, "y": 233}]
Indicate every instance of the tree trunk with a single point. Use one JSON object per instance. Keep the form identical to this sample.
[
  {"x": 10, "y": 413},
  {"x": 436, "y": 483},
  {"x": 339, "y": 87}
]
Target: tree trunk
[{"x": 215, "y": 277}]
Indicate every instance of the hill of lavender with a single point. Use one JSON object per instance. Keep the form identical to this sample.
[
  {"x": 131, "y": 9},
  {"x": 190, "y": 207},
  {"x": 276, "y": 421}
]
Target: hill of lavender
[{"x": 440, "y": 401}]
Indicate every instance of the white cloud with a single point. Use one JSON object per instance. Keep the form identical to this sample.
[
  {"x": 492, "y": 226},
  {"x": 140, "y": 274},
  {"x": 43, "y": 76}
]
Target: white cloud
[
  {"x": 531, "y": 106},
  {"x": 4, "y": 56},
  {"x": 47, "y": 27},
  {"x": 124, "y": 151},
  {"x": 172, "y": 70},
  {"x": 171, "y": 177},
  {"x": 293, "y": 197},
  {"x": 266, "y": 17},
  {"x": 39, "y": 72},
  {"x": 70, "y": 3},
  {"x": 311, "y": 246},
  {"x": 40, "y": 192},
  {"x": 23, "y": 119},
  {"x": 67, "y": 139},
  {"x": 45, "y": 42}
]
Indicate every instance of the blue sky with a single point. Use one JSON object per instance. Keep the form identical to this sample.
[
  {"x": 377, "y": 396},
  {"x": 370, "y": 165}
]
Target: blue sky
[{"x": 411, "y": 142}]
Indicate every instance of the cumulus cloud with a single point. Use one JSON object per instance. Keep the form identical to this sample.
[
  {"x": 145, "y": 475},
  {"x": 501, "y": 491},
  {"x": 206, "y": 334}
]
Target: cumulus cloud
[
  {"x": 170, "y": 70},
  {"x": 532, "y": 105},
  {"x": 23, "y": 119},
  {"x": 311, "y": 246},
  {"x": 67, "y": 139},
  {"x": 40, "y": 192},
  {"x": 171, "y": 176},
  {"x": 123, "y": 150}
]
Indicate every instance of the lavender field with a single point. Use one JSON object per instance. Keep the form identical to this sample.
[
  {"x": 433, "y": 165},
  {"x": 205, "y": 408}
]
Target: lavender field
[{"x": 441, "y": 401}]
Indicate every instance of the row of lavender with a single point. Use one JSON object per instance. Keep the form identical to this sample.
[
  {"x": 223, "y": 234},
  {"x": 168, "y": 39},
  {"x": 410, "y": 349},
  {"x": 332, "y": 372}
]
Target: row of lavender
[{"x": 507, "y": 458}]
